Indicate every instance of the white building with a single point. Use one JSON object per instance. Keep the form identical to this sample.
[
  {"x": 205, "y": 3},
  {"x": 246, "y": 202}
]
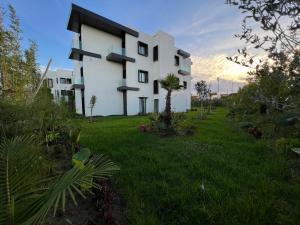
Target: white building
[
  {"x": 122, "y": 67},
  {"x": 60, "y": 83}
]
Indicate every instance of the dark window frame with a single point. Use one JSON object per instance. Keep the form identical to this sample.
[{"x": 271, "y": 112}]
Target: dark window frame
[
  {"x": 62, "y": 79},
  {"x": 143, "y": 45},
  {"x": 177, "y": 60},
  {"x": 184, "y": 85},
  {"x": 155, "y": 87},
  {"x": 146, "y": 73},
  {"x": 50, "y": 83},
  {"x": 155, "y": 53},
  {"x": 68, "y": 80}
]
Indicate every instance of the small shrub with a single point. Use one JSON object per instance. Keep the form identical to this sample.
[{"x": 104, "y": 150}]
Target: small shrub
[
  {"x": 186, "y": 127},
  {"x": 285, "y": 145},
  {"x": 179, "y": 124},
  {"x": 256, "y": 132},
  {"x": 245, "y": 125}
]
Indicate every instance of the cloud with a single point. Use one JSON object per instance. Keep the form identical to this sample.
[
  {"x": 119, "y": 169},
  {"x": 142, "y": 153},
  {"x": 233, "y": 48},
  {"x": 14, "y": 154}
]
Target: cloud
[{"x": 209, "y": 68}]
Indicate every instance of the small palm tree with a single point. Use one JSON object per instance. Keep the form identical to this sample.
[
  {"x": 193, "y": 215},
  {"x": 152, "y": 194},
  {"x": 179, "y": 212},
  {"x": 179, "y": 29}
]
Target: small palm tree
[
  {"x": 92, "y": 105},
  {"x": 26, "y": 196},
  {"x": 170, "y": 83}
]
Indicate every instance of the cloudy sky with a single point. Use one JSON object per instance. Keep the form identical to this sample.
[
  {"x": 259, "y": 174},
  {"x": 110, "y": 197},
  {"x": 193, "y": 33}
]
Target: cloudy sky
[{"x": 205, "y": 28}]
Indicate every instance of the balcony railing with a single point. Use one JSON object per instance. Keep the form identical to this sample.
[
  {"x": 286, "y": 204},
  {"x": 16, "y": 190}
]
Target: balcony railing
[
  {"x": 117, "y": 50},
  {"x": 118, "y": 55},
  {"x": 79, "y": 81},
  {"x": 186, "y": 68}
]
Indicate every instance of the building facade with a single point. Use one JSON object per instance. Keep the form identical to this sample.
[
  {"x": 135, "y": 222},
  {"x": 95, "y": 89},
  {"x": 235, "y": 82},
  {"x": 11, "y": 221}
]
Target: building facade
[
  {"x": 60, "y": 83},
  {"x": 122, "y": 67}
]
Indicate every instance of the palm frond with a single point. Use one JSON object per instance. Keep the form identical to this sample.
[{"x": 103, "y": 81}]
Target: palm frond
[
  {"x": 20, "y": 166},
  {"x": 99, "y": 167}
]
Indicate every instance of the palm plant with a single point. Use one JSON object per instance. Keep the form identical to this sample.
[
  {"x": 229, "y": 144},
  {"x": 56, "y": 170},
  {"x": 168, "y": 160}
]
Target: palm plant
[
  {"x": 170, "y": 83},
  {"x": 26, "y": 197},
  {"x": 92, "y": 105}
]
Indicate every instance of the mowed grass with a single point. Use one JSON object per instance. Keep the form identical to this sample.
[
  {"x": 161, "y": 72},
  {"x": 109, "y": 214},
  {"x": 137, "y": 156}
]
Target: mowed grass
[{"x": 217, "y": 176}]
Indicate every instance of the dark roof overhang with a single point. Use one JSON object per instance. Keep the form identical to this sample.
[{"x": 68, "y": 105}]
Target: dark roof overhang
[
  {"x": 126, "y": 88},
  {"x": 77, "y": 86},
  {"x": 77, "y": 54},
  {"x": 118, "y": 58},
  {"x": 184, "y": 54},
  {"x": 80, "y": 16}
]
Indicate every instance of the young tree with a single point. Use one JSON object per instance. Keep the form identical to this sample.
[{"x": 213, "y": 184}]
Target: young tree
[
  {"x": 203, "y": 92},
  {"x": 170, "y": 84},
  {"x": 92, "y": 105}
]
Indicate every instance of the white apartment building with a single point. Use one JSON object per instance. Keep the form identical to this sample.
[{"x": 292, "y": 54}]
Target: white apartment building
[
  {"x": 60, "y": 82},
  {"x": 122, "y": 67}
]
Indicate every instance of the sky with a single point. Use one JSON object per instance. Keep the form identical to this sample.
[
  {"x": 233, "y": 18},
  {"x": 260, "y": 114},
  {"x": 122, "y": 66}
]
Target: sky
[{"x": 205, "y": 28}]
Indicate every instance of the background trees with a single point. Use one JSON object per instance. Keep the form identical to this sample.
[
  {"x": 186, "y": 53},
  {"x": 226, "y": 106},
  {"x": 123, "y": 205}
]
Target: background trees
[
  {"x": 273, "y": 55},
  {"x": 18, "y": 69}
]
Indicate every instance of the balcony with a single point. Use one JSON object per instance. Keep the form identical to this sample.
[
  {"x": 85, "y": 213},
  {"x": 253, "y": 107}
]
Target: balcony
[
  {"x": 77, "y": 53},
  {"x": 184, "y": 70},
  {"x": 118, "y": 55},
  {"x": 78, "y": 84},
  {"x": 123, "y": 86}
]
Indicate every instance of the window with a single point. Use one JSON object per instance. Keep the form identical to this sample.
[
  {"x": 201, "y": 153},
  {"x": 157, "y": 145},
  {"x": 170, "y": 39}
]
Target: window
[
  {"x": 184, "y": 84},
  {"x": 63, "y": 92},
  {"x": 50, "y": 83},
  {"x": 57, "y": 80},
  {"x": 142, "y": 49},
  {"x": 155, "y": 87},
  {"x": 143, "y": 76},
  {"x": 155, "y": 53},
  {"x": 143, "y": 109},
  {"x": 156, "y": 105},
  {"x": 176, "y": 60},
  {"x": 68, "y": 81},
  {"x": 62, "y": 80}
]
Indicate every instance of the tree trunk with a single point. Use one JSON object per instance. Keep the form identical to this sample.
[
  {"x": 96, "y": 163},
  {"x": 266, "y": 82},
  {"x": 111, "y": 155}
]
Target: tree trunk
[{"x": 168, "y": 109}]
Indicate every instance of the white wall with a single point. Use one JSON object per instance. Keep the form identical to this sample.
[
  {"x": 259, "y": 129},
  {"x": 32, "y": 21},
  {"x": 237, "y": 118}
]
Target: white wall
[{"x": 101, "y": 77}]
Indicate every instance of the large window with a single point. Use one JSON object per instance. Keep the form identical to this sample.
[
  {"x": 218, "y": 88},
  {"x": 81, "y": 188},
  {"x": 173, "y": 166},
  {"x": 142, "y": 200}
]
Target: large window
[
  {"x": 155, "y": 87},
  {"x": 142, "y": 49},
  {"x": 68, "y": 81},
  {"x": 155, "y": 53},
  {"x": 176, "y": 60},
  {"x": 143, "y": 76}
]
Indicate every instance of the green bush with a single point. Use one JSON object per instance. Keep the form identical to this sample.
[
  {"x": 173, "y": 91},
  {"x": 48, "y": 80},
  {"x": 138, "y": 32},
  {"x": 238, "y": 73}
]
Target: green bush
[
  {"x": 179, "y": 124},
  {"x": 285, "y": 145}
]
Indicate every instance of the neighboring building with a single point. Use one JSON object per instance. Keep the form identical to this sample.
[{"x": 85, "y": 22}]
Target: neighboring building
[
  {"x": 122, "y": 67},
  {"x": 60, "y": 82}
]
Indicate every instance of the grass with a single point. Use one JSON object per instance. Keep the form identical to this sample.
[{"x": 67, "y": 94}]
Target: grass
[{"x": 218, "y": 176}]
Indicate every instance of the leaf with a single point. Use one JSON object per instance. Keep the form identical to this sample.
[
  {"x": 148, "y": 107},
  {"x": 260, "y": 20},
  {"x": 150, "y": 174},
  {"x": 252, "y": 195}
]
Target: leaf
[{"x": 81, "y": 157}]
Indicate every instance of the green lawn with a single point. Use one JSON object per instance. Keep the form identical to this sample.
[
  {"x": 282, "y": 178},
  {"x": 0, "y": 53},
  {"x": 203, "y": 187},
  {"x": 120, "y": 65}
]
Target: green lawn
[{"x": 161, "y": 178}]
